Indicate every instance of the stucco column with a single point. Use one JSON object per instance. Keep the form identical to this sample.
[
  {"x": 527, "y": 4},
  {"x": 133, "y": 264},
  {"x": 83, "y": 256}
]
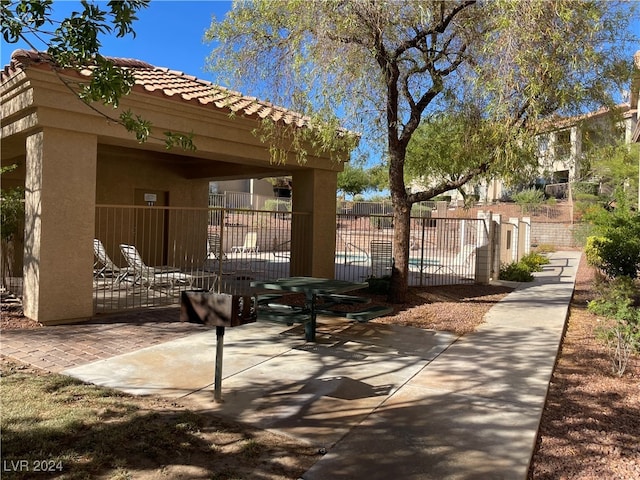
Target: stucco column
[
  {"x": 314, "y": 238},
  {"x": 60, "y": 192}
]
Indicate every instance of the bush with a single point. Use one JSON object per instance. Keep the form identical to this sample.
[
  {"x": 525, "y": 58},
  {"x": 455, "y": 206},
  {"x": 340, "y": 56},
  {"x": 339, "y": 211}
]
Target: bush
[
  {"x": 277, "y": 205},
  {"x": 592, "y": 251},
  {"x": 534, "y": 261},
  {"x": 522, "y": 271},
  {"x": 585, "y": 188},
  {"x": 379, "y": 285},
  {"x": 619, "y": 302},
  {"x": 515, "y": 272},
  {"x": 616, "y": 244},
  {"x": 529, "y": 198}
]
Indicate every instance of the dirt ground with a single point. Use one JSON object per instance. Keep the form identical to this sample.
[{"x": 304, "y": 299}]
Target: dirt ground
[{"x": 591, "y": 420}]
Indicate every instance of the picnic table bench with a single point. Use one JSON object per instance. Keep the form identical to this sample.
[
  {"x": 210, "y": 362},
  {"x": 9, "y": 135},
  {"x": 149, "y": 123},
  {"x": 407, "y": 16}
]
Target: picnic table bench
[{"x": 322, "y": 296}]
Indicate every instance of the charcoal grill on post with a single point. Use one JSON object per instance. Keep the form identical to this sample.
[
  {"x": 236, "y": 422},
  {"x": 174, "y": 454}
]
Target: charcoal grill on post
[{"x": 220, "y": 310}]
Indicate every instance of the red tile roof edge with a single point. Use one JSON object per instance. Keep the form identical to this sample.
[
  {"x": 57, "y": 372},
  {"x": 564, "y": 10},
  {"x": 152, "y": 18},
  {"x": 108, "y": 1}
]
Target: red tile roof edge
[{"x": 190, "y": 89}]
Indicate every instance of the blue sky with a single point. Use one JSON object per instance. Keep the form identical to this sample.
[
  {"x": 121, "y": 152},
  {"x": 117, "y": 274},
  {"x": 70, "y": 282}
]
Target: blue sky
[{"x": 168, "y": 34}]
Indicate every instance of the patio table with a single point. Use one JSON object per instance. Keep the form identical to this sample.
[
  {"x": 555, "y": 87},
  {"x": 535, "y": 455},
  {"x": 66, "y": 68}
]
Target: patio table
[{"x": 311, "y": 287}]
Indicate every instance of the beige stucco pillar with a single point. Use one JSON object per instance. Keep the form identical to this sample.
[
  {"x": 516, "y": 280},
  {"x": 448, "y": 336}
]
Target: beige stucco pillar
[
  {"x": 314, "y": 238},
  {"x": 59, "y": 217}
]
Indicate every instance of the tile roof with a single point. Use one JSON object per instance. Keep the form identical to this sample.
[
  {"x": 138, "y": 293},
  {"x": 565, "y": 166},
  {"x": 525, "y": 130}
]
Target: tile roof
[{"x": 171, "y": 84}]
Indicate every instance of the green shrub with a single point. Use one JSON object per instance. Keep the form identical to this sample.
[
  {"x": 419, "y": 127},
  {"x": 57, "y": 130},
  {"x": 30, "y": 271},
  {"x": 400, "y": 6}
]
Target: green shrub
[
  {"x": 522, "y": 271},
  {"x": 277, "y": 205},
  {"x": 529, "y": 197},
  {"x": 592, "y": 251},
  {"x": 619, "y": 302},
  {"x": 616, "y": 244},
  {"x": 515, "y": 272},
  {"x": 379, "y": 285},
  {"x": 534, "y": 261},
  {"x": 585, "y": 188}
]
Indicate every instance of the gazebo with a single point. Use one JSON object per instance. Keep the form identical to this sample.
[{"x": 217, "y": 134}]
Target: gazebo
[{"x": 71, "y": 158}]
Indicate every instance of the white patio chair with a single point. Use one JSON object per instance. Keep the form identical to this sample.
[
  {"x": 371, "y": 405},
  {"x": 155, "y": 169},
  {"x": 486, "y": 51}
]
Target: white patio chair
[
  {"x": 250, "y": 244},
  {"x": 150, "y": 277},
  {"x": 215, "y": 247},
  {"x": 381, "y": 258},
  {"x": 215, "y": 250},
  {"x": 105, "y": 267}
]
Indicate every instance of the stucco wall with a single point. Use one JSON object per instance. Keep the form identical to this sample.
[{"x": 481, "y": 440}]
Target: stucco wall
[
  {"x": 122, "y": 179},
  {"x": 120, "y": 173},
  {"x": 557, "y": 234}
]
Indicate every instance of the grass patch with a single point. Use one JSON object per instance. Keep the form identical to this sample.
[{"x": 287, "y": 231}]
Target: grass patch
[{"x": 79, "y": 431}]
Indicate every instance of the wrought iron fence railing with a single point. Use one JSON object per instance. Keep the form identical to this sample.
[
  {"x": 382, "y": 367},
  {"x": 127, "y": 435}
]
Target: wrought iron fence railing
[{"x": 155, "y": 253}]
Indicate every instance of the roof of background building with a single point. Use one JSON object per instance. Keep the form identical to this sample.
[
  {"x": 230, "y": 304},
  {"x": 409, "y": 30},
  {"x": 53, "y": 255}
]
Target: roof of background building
[{"x": 170, "y": 84}]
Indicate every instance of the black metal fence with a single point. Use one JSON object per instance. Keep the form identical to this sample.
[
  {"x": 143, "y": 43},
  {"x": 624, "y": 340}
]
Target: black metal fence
[{"x": 151, "y": 254}]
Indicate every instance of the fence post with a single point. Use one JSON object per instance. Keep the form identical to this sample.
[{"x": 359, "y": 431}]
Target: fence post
[{"x": 223, "y": 213}]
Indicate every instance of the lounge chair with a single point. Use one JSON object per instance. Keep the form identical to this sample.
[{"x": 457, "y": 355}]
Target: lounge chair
[
  {"x": 150, "y": 277},
  {"x": 215, "y": 250},
  {"x": 104, "y": 266},
  {"x": 282, "y": 250},
  {"x": 381, "y": 258},
  {"x": 459, "y": 265},
  {"x": 215, "y": 247},
  {"x": 250, "y": 244}
]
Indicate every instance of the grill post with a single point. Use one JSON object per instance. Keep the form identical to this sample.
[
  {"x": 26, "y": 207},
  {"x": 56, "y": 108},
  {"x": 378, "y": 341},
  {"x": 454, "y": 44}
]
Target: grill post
[{"x": 217, "y": 391}]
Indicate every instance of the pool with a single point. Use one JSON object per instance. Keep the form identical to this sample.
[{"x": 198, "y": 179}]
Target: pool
[{"x": 347, "y": 258}]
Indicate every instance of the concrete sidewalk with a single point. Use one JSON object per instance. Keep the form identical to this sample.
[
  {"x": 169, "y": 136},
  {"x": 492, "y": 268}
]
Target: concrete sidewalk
[{"x": 384, "y": 401}]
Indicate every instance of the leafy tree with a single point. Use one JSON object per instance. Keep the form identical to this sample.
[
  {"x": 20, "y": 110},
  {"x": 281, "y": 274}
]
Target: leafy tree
[
  {"x": 614, "y": 165},
  {"x": 11, "y": 219},
  {"x": 356, "y": 180},
  {"x": 73, "y": 43},
  {"x": 387, "y": 65},
  {"x": 447, "y": 145},
  {"x": 353, "y": 180}
]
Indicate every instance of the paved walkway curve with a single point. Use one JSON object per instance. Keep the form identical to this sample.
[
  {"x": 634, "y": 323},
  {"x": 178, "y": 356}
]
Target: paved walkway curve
[
  {"x": 385, "y": 401},
  {"x": 474, "y": 412}
]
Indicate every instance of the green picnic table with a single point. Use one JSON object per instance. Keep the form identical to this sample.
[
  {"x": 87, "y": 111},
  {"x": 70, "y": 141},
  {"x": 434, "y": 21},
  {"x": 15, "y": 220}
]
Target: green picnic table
[{"x": 312, "y": 288}]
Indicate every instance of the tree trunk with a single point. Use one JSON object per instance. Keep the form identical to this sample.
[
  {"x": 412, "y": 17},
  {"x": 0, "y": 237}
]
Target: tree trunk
[
  {"x": 401, "y": 224},
  {"x": 6, "y": 262},
  {"x": 401, "y": 229}
]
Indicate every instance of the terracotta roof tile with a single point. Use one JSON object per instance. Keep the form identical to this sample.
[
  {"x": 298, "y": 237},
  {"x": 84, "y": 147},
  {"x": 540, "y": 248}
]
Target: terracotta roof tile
[{"x": 172, "y": 84}]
